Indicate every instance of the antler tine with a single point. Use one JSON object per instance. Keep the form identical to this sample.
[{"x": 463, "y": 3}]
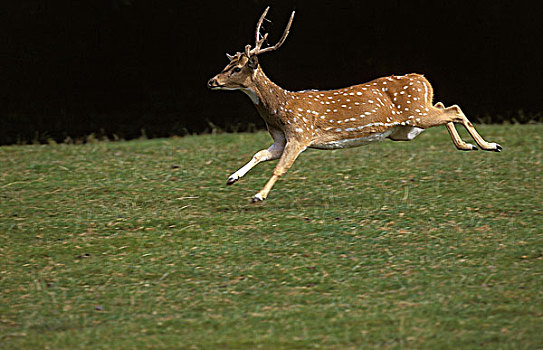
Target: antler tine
[
  {"x": 259, "y": 24},
  {"x": 281, "y": 41},
  {"x": 260, "y": 42}
]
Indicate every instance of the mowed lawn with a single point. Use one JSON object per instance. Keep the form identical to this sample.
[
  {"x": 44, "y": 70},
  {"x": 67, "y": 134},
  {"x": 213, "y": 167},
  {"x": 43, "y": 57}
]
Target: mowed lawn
[{"x": 140, "y": 244}]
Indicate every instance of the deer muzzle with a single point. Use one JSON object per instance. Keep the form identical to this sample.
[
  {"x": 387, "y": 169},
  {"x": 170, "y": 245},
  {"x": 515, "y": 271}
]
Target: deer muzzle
[{"x": 212, "y": 83}]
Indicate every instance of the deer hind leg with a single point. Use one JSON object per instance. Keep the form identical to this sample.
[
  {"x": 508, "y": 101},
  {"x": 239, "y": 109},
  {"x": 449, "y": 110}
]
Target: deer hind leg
[
  {"x": 487, "y": 146},
  {"x": 291, "y": 152},
  {"x": 454, "y": 114},
  {"x": 458, "y": 142}
]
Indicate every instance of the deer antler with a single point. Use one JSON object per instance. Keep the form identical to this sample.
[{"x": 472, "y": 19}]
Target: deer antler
[
  {"x": 260, "y": 39},
  {"x": 258, "y": 25}
]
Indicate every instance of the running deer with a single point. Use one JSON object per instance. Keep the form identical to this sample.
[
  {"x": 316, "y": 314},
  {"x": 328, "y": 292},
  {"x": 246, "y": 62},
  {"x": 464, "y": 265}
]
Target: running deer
[{"x": 394, "y": 107}]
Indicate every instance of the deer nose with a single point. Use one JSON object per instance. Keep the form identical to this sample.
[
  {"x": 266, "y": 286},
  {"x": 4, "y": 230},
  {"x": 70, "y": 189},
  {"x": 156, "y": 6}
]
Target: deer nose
[{"x": 212, "y": 82}]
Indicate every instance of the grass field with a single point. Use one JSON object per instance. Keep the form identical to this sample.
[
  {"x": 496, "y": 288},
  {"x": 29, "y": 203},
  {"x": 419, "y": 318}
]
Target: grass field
[{"x": 394, "y": 245}]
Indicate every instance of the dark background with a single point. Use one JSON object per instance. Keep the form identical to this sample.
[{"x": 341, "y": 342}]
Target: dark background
[{"x": 127, "y": 67}]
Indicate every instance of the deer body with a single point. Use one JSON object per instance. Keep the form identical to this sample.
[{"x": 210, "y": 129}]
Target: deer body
[{"x": 395, "y": 107}]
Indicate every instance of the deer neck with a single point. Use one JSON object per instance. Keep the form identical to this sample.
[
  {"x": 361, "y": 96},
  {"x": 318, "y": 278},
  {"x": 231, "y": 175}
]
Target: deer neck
[{"x": 267, "y": 96}]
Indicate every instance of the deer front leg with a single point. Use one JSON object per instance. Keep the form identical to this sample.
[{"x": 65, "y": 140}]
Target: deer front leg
[
  {"x": 271, "y": 153},
  {"x": 290, "y": 153}
]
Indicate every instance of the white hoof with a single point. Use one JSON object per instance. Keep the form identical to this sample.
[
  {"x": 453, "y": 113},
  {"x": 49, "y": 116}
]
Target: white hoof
[{"x": 257, "y": 198}]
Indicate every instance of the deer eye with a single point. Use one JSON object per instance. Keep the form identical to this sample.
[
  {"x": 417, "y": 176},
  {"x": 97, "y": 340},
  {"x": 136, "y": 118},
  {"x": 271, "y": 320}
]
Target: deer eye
[{"x": 237, "y": 69}]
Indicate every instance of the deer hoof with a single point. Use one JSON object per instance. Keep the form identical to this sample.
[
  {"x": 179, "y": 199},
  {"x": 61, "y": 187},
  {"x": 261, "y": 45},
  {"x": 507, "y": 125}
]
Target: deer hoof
[
  {"x": 469, "y": 147},
  {"x": 231, "y": 180},
  {"x": 494, "y": 147},
  {"x": 257, "y": 198}
]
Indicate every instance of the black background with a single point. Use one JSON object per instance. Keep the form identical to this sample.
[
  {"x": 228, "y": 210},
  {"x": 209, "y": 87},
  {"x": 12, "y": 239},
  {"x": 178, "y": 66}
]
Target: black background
[{"x": 117, "y": 67}]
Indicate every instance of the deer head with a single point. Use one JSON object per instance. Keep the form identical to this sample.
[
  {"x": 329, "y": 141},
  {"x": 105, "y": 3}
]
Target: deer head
[{"x": 238, "y": 73}]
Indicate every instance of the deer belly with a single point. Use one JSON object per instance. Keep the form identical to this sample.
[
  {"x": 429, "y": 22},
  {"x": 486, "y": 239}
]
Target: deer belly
[{"x": 351, "y": 142}]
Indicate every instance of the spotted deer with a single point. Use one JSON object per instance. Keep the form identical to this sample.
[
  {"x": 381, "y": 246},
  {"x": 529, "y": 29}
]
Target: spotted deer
[{"x": 395, "y": 107}]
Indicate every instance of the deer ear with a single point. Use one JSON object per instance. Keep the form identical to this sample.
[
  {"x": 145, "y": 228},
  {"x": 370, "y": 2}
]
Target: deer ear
[
  {"x": 253, "y": 62},
  {"x": 230, "y": 57}
]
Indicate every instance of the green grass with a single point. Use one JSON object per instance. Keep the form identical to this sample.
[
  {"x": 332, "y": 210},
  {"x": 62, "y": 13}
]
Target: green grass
[{"x": 393, "y": 245}]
